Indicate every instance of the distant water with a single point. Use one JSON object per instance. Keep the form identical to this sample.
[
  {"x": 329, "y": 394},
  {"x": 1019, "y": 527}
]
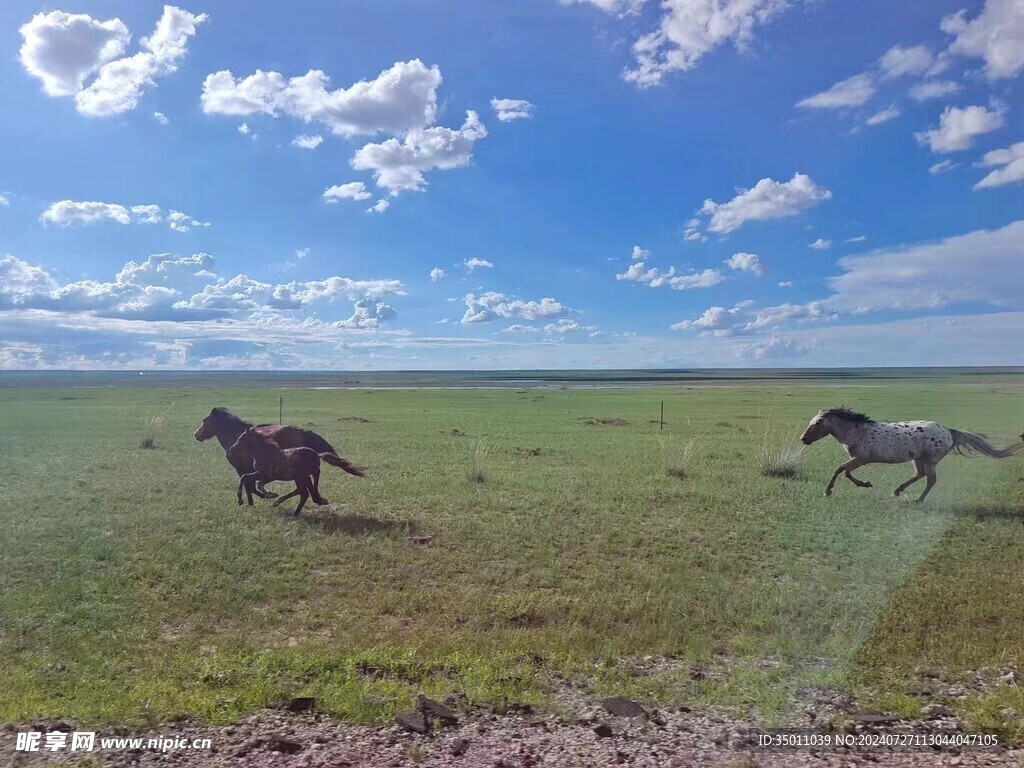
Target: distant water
[{"x": 485, "y": 379}]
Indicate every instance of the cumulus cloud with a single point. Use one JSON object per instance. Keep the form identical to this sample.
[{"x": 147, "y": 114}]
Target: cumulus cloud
[
  {"x": 979, "y": 267},
  {"x": 244, "y": 129},
  {"x": 180, "y": 289},
  {"x": 745, "y": 262},
  {"x": 63, "y": 49},
  {"x": 766, "y": 200},
  {"x": 399, "y": 99},
  {"x": 308, "y": 142},
  {"x": 958, "y": 128},
  {"x": 161, "y": 118},
  {"x": 69, "y": 212},
  {"x": 508, "y": 110},
  {"x": 689, "y": 29},
  {"x": 821, "y": 244},
  {"x": 899, "y": 61},
  {"x": 746, "y": 317},
  {"x": 851, "y": 92},
  {"x": 400, "y": 165},
  {"x": 493, "y": 306},
  {"x": 4, "y": 202},
  {"x": 639, "y": 254},
  {"x": 437, "y": 274},
  {"x": 120, "y": 83},
  {"x": 474, "y": 263},
  {"x": 933, "y": 89},
  {"x": 354, "y": 190},
  {"x": 1012, "y": 171},
  {"x": 380, "y": 206},
  {"x": 568, "y": 325},
  {"x": 995, "y": 35},
  {"x": 679, "y": 281}
]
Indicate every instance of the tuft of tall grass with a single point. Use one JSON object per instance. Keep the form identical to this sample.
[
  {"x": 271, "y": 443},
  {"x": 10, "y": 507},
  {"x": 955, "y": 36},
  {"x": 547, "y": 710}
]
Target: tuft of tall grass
[
  {"x": 781, "y": 462},
  {"x": 478, "y": 467}
]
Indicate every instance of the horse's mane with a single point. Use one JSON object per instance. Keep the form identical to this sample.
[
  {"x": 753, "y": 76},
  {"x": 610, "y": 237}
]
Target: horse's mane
[
  {"x": 223, "y": 414},
  {"x": 844, "y": 413}
]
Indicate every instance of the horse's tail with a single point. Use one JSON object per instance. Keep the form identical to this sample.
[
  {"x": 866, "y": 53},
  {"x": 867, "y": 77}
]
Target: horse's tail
[
  {"x": 336, "y": 460},
  {"x": 967, "y": 443},
  {"x": 311, "y": 439}
]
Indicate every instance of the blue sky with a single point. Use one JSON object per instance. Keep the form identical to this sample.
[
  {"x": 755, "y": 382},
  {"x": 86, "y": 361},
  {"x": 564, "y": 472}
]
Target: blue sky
[{"x": 404, "y": 184}]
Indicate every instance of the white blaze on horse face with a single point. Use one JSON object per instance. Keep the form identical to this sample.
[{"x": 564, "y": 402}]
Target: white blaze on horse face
[{"x": 816, "y": 430}]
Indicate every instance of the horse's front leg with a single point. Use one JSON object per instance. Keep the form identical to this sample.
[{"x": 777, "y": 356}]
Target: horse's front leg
[
  {"x": 261, "y": 489},
  {"x": 286, "y": 497},
  {"x": 846, "y": 467},
  {"x": 247, "y": 481},
  {"x": 854, "y": 480}
]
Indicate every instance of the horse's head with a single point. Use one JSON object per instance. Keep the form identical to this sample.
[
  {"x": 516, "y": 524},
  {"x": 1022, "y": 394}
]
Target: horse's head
[
  {"x": 209, "y": 426},
  {"x": 818, "y": 428}
]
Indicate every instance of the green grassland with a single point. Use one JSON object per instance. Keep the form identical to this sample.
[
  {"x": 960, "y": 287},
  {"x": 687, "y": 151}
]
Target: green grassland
[{"x": 132, "y": 588}]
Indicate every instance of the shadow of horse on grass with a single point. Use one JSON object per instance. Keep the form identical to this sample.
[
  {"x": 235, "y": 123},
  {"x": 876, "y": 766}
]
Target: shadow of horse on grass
[{"x": 355, "y": 524}]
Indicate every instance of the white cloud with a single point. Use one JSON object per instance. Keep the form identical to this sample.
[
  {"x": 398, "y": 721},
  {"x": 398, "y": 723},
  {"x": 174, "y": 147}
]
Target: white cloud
[
  {"x": 354, "y": 190},
  {"x": 475, "y": 263},
  {"x": 959, "y": 126},
  {"x": 1012, "y": 171},
  {"x": 161, "y": 118},
  {"x": 883, "y": 116},
  {"x": 995, "y": 35},
  {"x": 785, "y": 284},
  {"x": 512, "y": 109},
  {"x": 399, "y": 99},
  {"x": 68, "y": 212},
  {"x": 380, "y": 206},
  {"x": 689, "y": 29},
  {"x": 609, "y": 6},
  {"x": 942, "y": 166},
  {"x": 168, "y": 270},
  {"x": 4, "y": 202},
  {"x": 437, "y": 274},
  {"x": 851, "y": 92},
  {"x": 657, "y": 278},
  {"x": 63, "y": 49},
  {"x": 745, "y": 317},
  {"x": 639, "y": 254},
  {"x": 899, "y": 61},
  {"x": 308, "y": 142},
  {"x": 980, "y": 267},
  {"x": 368, "y": 314},
  {"x": 244, "y": 129},
  {"x": 398, "y": 166},
  {"x": 768, "y": 199},
  {"x": 821, "y": 244},
  {"x": 568, "y": 325},
  {"x": 933, "y": 89},
  {"x": 857, "y": 239},
  {"x": 492, "y": 306},
  {"x": 119, "y": 84},
  {"x": 182, "y": 222},
  {"x": 692, "y": 232},
  {"x": 520, "y": 328},
  {"x": 746, "y": 262}
]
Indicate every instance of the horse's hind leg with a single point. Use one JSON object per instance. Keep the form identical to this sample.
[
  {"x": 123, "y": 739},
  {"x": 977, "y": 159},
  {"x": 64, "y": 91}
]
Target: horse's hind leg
[
  {"x": 930, "y": 474},
  {"x": 317, "y": 498},
  {"x": 303, "y": 497},
  {"x": 919, "y": 469}
]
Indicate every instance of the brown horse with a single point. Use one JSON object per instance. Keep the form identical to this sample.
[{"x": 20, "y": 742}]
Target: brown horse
[
  {"x": 300, "y": 465},
  {"x": 227, "y": 428}
]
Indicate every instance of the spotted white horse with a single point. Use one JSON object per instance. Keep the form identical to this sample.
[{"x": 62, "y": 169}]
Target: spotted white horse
[{"x": 867, "y": 441}]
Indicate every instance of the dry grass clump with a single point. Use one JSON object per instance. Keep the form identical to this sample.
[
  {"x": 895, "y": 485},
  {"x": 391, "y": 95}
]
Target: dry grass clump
[
  {"x": 478, "y": 466},
  {"x": 781, "y": 462}
]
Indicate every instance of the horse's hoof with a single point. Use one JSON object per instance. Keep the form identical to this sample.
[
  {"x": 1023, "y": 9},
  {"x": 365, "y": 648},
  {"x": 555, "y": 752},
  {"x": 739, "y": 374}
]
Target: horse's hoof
[
  {"x": 239, "y": 501},
  {"x": 828, "y": 493},
  {"x": 867, "y": 484},
  {"x": 895, "y": 494},
  {"x": 269, "y": 494}
]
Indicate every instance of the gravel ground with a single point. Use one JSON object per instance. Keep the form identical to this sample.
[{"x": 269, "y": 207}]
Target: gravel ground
[{"x": 602, "y": 733}]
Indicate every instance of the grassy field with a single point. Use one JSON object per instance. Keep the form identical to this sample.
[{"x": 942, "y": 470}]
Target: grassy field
[{"x": 133, "y": 589}]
